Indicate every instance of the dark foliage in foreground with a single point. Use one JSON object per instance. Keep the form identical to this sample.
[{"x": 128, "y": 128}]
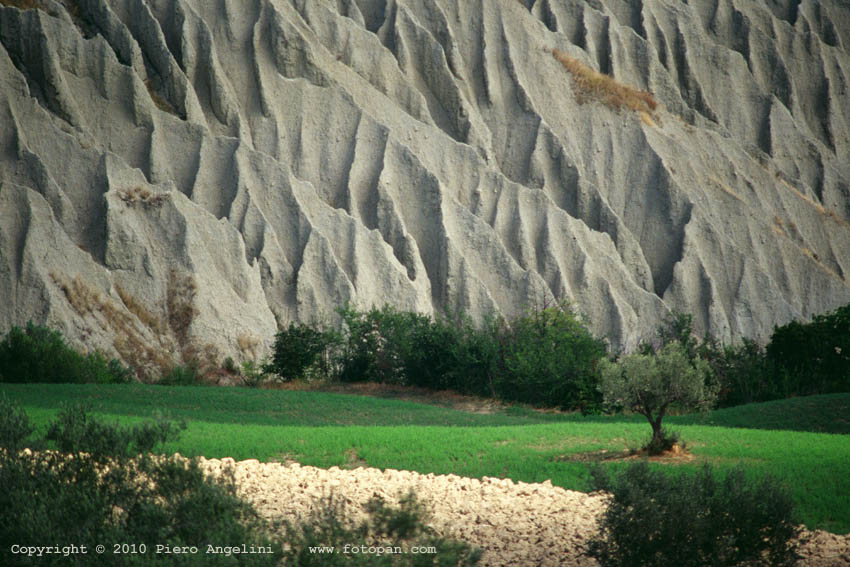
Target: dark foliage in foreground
[
  {"x": 694, "y": 520},
  {"x": 387, "y": 538},
  {"x": 102, "y": 487},
  {"x": 100, "y": 491}
]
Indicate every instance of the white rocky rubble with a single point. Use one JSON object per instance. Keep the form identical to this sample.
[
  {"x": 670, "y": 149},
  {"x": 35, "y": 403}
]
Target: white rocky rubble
[{"x": 513, "y": 523}]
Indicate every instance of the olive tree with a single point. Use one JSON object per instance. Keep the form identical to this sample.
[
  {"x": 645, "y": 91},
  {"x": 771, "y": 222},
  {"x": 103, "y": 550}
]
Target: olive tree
[{"x": 649, "y": 384}]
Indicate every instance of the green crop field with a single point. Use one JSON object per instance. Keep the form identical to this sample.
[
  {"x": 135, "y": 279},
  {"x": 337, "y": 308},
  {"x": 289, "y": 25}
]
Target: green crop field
[{"x": 803, "y": 441}]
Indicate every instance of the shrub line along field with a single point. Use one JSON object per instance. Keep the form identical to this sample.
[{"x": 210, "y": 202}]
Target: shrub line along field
[{"x": 325, "y": 430}]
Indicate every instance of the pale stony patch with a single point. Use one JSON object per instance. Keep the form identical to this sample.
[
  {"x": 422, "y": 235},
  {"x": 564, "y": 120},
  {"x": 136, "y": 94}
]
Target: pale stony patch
[{"x": 514, "y": 523}]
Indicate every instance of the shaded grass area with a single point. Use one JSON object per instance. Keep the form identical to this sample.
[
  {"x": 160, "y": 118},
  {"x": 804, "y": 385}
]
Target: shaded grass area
[
  {"x": 267, "y": 407},
  {"x": 359, "y": 431},
  {"x": 820, "y": 414}
]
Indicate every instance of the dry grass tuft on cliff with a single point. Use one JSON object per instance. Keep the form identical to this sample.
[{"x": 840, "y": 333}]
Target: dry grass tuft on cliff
[
  {"x": 22, "y": 4},
  {"x": 182, "y": 289},
  {"x": 593, "y": 85},
  {"x": 141, "y": 195},
  {"x": 130, "y": 340}
]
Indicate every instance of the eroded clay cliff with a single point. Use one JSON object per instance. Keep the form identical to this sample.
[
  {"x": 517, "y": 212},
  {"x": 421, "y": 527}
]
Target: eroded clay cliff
[{"x": 179, "y": 177}]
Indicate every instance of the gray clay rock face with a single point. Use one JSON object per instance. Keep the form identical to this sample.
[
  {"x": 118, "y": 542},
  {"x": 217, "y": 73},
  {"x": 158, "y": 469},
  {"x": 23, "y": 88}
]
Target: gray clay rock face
[{"x": 180, "y": 177}]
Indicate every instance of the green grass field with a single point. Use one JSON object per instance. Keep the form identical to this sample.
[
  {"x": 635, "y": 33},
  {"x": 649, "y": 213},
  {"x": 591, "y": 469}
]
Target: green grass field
[{"x": 804, "y": 441}]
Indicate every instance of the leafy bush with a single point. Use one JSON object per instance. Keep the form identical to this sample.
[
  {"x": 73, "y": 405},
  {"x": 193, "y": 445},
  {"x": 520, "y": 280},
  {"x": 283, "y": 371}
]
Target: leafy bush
[
  {"x": 545, "y": 358},
  {"x": 435, "y": 354},
  {"x": 76, "y": 430},
  {"x": 229, "y": 365},
  {"x": 549, "y": 358},
  {"x": 379, "y": 344},
  {"x": 38, "y": 354},
  {"x": 254, "y": 374},
  {"x": 389, "y": 532},
  {"x": 649, "y": 384},
  {"x": 694, "y": 520},
  {"x": 299, "y": 348},
  {"x": 101, "y": 493},
  {"x": 813, "y": 358},
  {"x": 182, "y": 375},
  {"x": 14, "y": 426},
  {"x": 453, "y": 355},
  {"x": 742, "y": 372}
]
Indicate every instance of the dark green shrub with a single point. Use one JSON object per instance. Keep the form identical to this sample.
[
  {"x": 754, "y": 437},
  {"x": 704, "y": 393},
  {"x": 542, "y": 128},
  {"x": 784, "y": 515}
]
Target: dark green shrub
[
  {"x": 76, "y": 430},
  {"x": 404, "y": 522},
  {"x": 182, "y": 375},
  {"x": 549, "y": 358},
  {"x": 435, "y": 356},
  {"x": 399, "y": 347},
  {"x": 254, "y": 374},
  {"x": 479, "y": 357},
  {"x": 120, "y": 374},
  {"x": 299, "y": 348},
  {"x": 38, "y": 354},
  {"x": 97, "y": 494},
  {"x": 742, "y": 372},
  {"x": 813, "y": 358},
  {"x": 15, "y": 426},
  {"x": 230, "y": 365},
  {"x": 453, "y": 355},
  {"x": 694, "y": 520},
  {"x": 379, "y": 344},
  {"x": 390, "y": 532}
]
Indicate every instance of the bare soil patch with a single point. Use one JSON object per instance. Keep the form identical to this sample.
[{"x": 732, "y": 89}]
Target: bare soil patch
[
  {"x": 443, "y": 398},
  {"x": 676, "y": 455}
]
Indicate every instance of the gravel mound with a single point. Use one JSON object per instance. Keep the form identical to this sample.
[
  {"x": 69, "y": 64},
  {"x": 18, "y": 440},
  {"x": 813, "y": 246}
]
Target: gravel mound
[{"x": 515, "y": 523}]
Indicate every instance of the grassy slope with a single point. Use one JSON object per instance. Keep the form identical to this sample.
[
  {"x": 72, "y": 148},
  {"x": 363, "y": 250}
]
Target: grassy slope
[
  {"x": 333, "y": 429},
  {"x": 819, "y": 414}
]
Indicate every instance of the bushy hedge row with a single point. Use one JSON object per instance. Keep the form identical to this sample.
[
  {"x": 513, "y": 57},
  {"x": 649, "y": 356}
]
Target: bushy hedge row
[
  {"x": 800, "y": 359},
  {"x": 547, "y": 357},
  {"x": 395, "y": 347}
]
